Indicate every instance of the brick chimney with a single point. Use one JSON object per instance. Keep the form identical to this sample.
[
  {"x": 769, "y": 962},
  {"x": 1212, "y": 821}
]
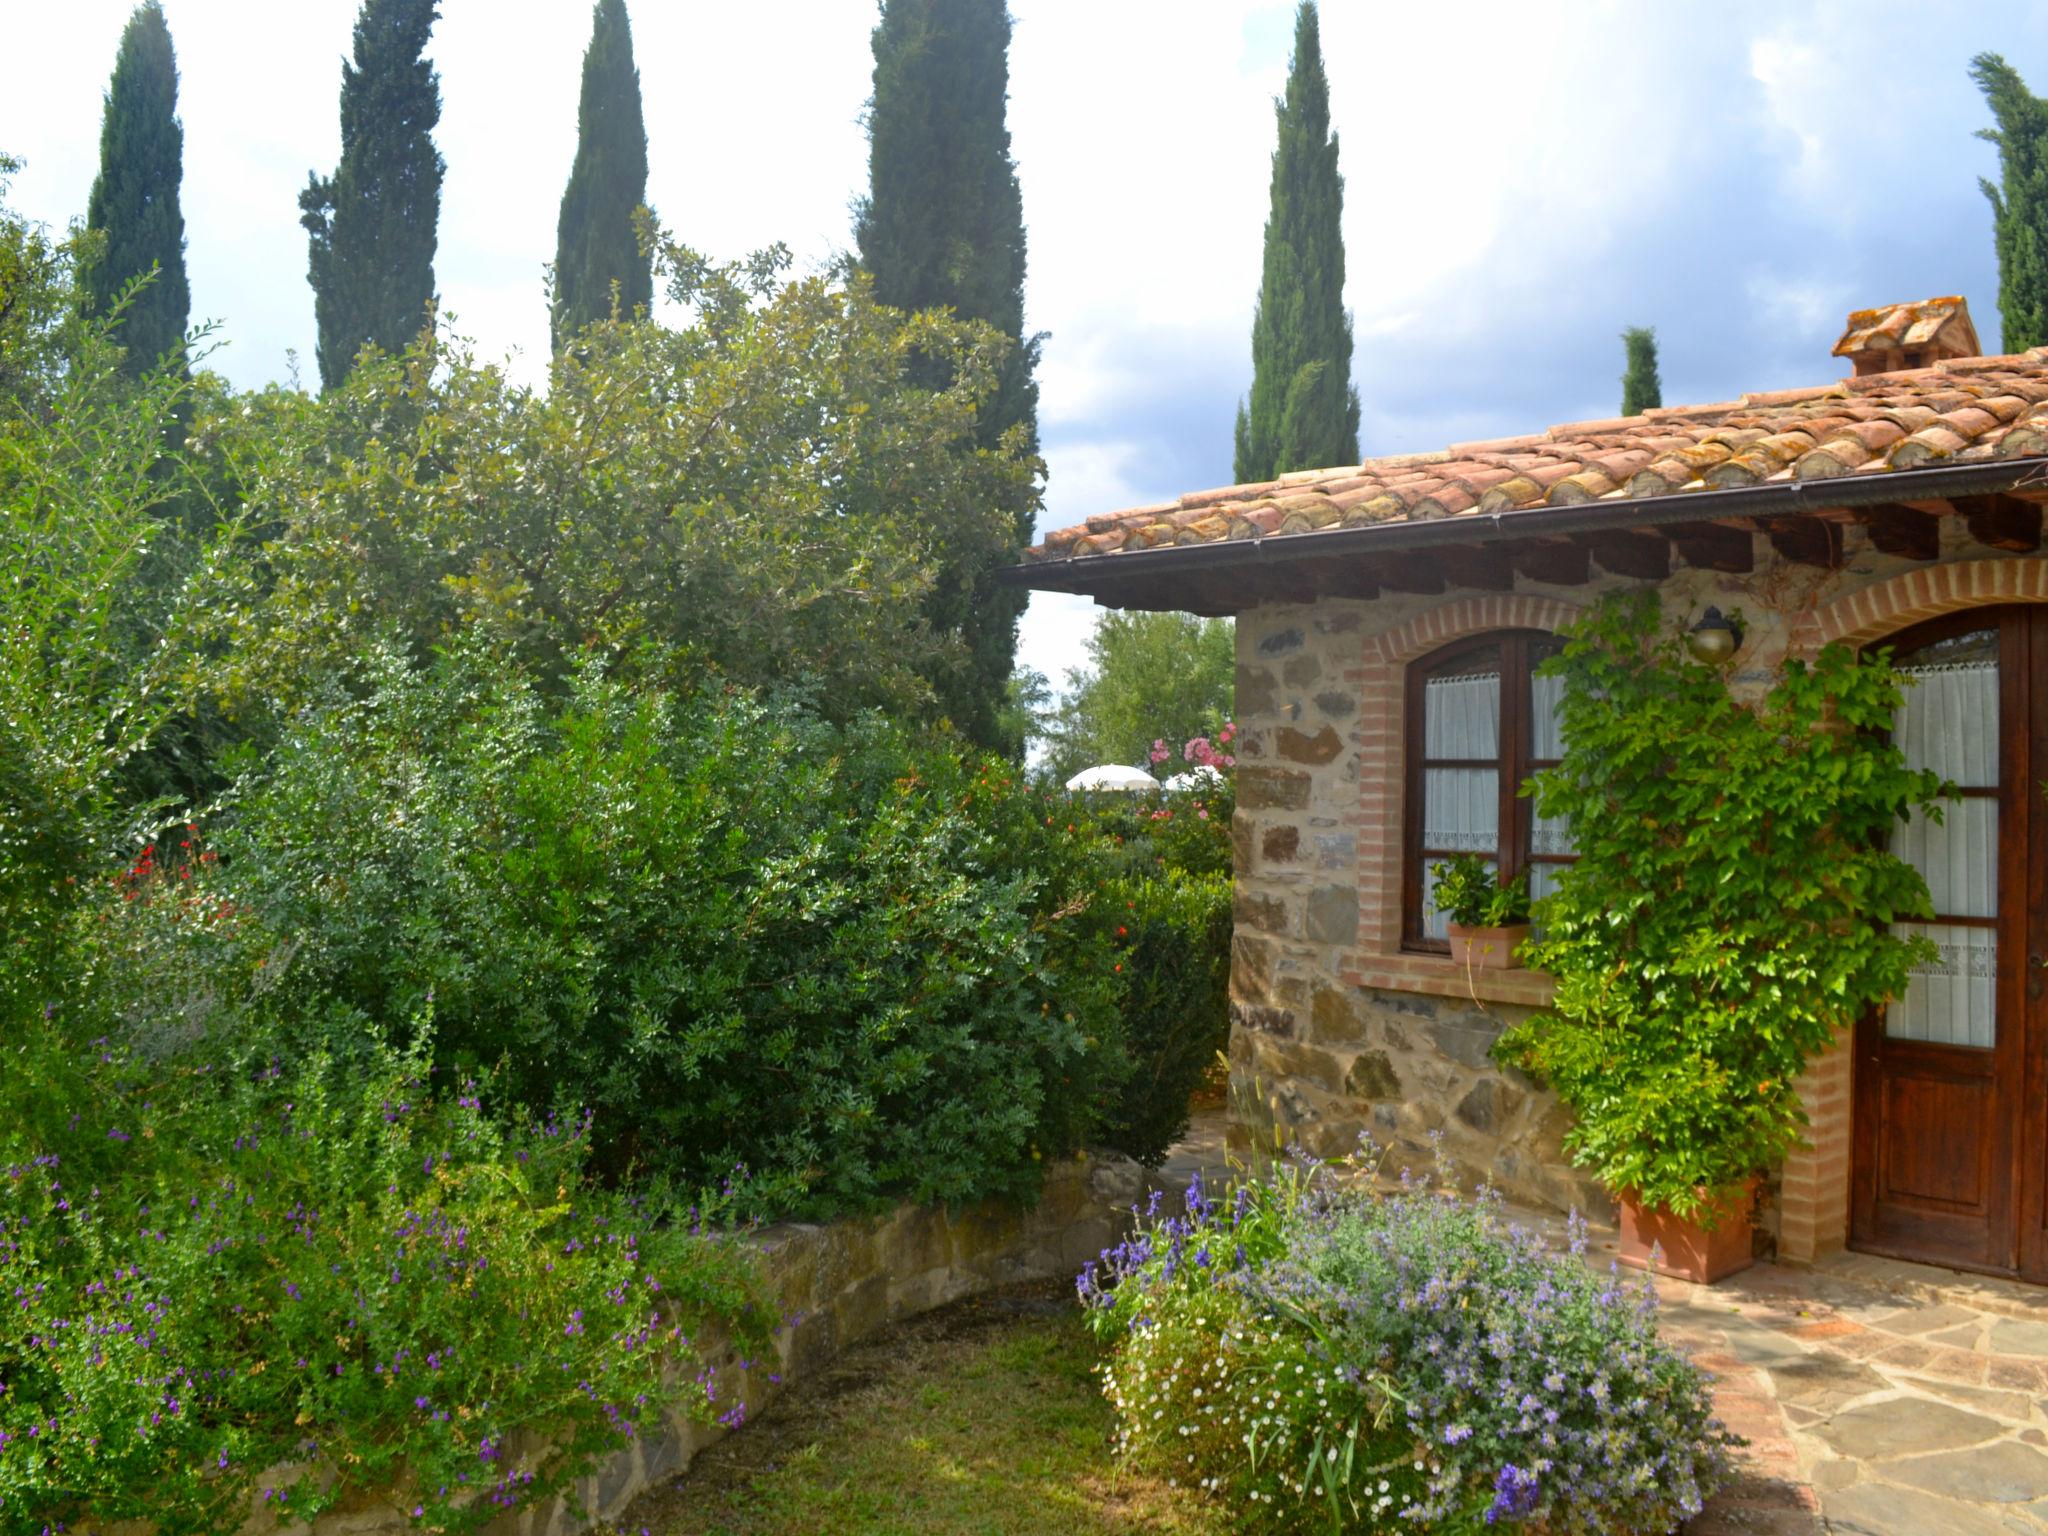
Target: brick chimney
[{"x": 1898, "y": 336}]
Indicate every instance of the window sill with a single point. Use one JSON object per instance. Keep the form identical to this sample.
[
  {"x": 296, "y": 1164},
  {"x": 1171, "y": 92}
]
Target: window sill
[{"x": 1439, "y": 976}]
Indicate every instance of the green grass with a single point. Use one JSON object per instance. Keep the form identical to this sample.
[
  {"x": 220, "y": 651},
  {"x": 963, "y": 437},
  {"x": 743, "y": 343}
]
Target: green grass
[{"x": 984, "y": 1419}]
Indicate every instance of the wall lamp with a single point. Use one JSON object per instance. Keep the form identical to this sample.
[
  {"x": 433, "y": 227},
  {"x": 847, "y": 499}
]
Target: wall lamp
[{"x": 1715, "y": 638}]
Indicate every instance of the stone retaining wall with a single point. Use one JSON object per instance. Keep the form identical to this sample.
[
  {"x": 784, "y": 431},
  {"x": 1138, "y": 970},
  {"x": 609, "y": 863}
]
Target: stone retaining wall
[{"x": 835, "y": 1284}]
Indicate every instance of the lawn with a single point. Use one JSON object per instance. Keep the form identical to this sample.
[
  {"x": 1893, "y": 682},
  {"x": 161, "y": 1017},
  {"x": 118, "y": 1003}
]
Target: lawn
[{"x": 983, "y": 1417}]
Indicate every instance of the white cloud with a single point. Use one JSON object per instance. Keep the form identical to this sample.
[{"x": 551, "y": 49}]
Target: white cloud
[
  {"x": 1808, "y": 304},
  {"x": 1053, "y": 638}
]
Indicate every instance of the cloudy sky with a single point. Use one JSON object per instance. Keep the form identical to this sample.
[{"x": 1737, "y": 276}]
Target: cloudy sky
[{"x": 1523, "y": 180}]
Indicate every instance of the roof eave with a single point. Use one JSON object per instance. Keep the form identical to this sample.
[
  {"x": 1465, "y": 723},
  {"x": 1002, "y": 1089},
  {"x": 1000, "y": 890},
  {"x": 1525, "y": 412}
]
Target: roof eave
[{"x": 1785, "y": 498}]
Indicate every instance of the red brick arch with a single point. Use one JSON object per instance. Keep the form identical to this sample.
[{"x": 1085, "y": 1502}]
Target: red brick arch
[
  {"x": 1468, "y": 616},
  {"x": 1885, "y": 607},
  {"x": 1377, "y": 685}
]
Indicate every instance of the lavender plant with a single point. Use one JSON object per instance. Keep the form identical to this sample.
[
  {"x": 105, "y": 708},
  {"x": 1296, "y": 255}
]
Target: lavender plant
[
  {"x": 342, "y": 1268},
  {"x": 1323, "y": 1355}
]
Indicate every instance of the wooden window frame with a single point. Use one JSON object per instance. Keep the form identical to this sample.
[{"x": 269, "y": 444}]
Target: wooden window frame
[{"x": 1520, "y": 651}]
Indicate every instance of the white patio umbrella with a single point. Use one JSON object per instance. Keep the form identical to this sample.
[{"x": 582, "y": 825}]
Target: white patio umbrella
[
  {"x": 1202, "y": 777},
  {"x": 1113, "y": 776}
]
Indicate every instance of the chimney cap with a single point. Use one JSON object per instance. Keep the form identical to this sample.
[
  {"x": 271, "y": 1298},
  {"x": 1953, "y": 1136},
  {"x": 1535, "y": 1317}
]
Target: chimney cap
[{"x": 1896, "y": 336}]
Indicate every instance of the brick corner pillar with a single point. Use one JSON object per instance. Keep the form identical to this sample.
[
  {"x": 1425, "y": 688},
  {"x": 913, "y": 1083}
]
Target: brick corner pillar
[{"x": 1813, "y": 1199}]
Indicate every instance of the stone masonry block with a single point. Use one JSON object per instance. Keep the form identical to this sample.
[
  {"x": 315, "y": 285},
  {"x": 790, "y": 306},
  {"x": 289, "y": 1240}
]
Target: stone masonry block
[
  {"x": 1300, "y": 671},
  {"x": 1257, "y": 692},
  {"x": 1291, "y": 745},
  {"x": 1331, "y": 916},
  {"x": 1272, "y": 789},
  {"x": 1280, "y": 844}
]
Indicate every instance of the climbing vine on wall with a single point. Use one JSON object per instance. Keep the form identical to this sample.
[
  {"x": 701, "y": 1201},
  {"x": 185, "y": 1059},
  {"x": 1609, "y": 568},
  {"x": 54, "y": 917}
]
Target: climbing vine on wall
[{"x": 1729, "y": 910}]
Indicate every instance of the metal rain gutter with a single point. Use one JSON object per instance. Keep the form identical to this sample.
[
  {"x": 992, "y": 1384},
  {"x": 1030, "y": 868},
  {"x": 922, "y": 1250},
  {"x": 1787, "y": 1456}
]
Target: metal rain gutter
[{"x": 1783, "y": 498}]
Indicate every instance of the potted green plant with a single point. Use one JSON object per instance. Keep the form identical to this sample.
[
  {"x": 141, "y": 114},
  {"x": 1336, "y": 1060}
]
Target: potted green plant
[
  {"x": 1728, "y": 917},
  {"x": 1488, "y": 919}
]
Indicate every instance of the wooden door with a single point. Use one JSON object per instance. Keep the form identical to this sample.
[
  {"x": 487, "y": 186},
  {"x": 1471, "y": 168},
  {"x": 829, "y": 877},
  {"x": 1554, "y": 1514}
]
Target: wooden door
[
  {"x": 2032, "y": 963},
  {"x": 1949, "y": 1126}
]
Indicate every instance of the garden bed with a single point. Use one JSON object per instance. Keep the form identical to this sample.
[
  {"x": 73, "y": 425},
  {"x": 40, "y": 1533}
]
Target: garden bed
[{"x": 983, "y": 1416}]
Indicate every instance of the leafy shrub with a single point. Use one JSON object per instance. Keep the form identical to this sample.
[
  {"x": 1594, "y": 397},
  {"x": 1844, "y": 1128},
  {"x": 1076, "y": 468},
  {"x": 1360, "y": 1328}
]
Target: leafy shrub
[
  {"x": 1324, "y": 1356},
  {"x": 1728, "y": 912},
  {"x": 99, "y": 615},
  {"x": 763, "y": 495},
  {"x": 852, "y": 960},
  {"x": 1167, "y": 864},
  {"x": 1174, "y": 928},
  {"x": 1468, "y": 891},
  {"x": 1188, "y": 831},
  {"x": 331, "y": 1262}
]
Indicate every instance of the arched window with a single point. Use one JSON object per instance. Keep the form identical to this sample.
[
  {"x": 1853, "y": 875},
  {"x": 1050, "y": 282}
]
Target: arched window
[{"x": 1478, "y": 724}]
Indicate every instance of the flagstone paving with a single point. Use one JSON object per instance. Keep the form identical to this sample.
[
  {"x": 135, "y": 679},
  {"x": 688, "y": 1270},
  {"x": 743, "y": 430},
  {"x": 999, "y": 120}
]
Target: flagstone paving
[{"x": 1880, "y": 1399}]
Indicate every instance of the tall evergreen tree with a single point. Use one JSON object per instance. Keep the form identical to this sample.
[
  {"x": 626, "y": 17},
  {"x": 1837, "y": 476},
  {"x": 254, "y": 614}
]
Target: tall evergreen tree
[
  {"x": 943, "y": 224},
  {"x": 2019, "y": 204},
  {"x": 595, "y": 243},
  {"x": 374, "y": 222},
  {"x": 1641, "y": 389},
  {"x": 134, "y": 205},
  {"x": 1303, "y": 412}
]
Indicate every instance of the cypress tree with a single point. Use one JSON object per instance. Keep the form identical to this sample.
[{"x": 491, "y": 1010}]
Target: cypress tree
[
  {"x": 1303, "y": 412},
  {"x": 134, "y": 205},
  {"x": 2019, "y": 204},
  {"x": 1641, "y": 389},
  {"x": 595, "y": 243},
  {"x": 943, "y": 224},
  {"x": 373, "y": 222}
]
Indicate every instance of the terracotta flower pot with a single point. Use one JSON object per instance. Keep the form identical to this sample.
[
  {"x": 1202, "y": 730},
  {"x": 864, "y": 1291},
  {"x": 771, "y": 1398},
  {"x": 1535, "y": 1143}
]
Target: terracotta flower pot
[
  {"x": 1490, "y": 949},
  {"x": 1689, "y": 1251}
]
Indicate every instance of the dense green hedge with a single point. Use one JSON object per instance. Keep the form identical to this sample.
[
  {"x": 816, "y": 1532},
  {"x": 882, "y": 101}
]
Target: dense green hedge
[{"x": 856, "y": 962}]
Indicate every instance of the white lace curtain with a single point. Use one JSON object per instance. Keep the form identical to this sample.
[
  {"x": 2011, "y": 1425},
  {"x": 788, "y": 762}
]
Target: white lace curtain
[
  {"x": 1949, "y": 723},
  {"x": 1547, "y": 834},
  {"x": 1460, "y": 806}
]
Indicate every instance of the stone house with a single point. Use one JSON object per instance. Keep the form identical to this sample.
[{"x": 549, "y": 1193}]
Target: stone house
[{"x": 1388, "y": 616}]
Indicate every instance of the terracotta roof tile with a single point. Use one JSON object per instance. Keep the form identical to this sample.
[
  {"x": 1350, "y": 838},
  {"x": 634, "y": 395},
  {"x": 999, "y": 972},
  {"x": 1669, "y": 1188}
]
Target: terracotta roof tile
[{"x": 1956, "y": 409}]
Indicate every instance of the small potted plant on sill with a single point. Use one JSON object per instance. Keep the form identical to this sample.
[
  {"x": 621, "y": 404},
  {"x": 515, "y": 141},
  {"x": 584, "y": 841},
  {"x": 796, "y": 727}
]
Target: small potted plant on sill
[{"x": 1488, "y": 919}]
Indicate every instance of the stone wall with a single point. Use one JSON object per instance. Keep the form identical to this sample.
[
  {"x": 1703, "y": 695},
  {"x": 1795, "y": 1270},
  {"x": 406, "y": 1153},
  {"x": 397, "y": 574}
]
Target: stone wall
[
  {"x": 838, "y": 1284},
  {"x": 835, "y": 1284},
  {"x": 1415, "y": 1073},
  {"x": 1334, "y": 1029}
]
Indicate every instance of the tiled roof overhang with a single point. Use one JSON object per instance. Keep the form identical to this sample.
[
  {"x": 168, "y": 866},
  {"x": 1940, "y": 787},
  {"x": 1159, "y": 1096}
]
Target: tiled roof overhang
[{"x": 2001, "y": 500}]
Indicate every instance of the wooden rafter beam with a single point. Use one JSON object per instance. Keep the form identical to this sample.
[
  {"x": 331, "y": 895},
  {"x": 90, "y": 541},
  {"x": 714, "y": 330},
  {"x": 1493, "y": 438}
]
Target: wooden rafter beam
[
  {"x": 1351, "y": 580},
  {"x": 1641, "y": 555},
  {"x": 1897, "y": 529},
  {"x": 1805, "y": 540},
  {"x": 1411, "y": 573},
  {"x": 1714, "y": 548},
  {"x": 1483, "y": 570},
  {"x": 1557, "y": 563},
  {"x": 2003, "y": 522},
  {"x": 1295, "y": 582}
]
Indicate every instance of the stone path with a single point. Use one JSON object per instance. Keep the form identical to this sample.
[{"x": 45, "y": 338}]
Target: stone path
[{"x": 1879, "y": 1398}]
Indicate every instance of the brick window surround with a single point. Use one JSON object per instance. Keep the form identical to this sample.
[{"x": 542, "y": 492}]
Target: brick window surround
[
  {"x": 1813, "y": 1196},
  {"x": 1378, "y": 683}
]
